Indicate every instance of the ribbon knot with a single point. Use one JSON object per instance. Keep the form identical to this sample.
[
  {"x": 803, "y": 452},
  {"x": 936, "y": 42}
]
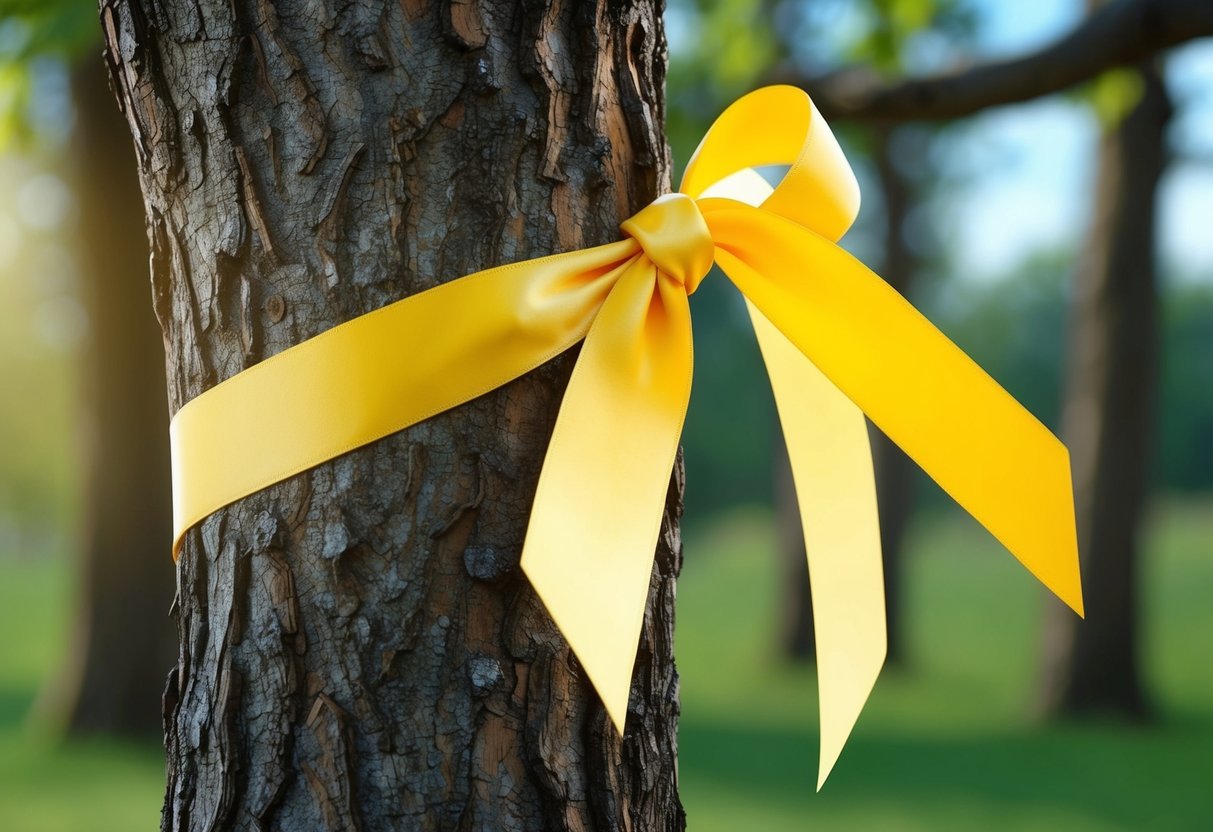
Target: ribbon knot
[
  {"x": 673, "y": 234},
  {"x": 838, "y": 344}
]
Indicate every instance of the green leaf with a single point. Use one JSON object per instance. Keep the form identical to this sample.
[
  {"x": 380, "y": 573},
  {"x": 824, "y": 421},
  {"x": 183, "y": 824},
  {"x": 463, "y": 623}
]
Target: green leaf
[{"x": 1113, "y": 94}]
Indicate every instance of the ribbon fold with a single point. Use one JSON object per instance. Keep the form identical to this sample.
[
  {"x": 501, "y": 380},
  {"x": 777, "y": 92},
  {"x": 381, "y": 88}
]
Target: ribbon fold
[{"x": 837, "y": 341}]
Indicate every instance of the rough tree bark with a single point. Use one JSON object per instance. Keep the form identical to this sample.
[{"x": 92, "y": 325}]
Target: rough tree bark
[
  {"x": 894, "y": 470},
  {"x": 1094, "y": 665},
  {"x": 122, "y": 640},
  {"x": 359, "y": 649}
]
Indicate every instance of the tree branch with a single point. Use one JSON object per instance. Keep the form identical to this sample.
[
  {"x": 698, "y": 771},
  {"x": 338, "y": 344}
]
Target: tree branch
[{"x": 1118, "y": 34}]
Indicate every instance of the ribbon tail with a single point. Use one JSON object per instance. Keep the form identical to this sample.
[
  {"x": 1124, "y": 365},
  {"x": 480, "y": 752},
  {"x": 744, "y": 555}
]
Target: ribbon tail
[
  {"x": 380, "y": 373},
  {"x": 827, "y": 440},
  {"x": 598, "y": 507},
  {"x": 831, "y": 459},
  {"x": 992, "y": 456}
]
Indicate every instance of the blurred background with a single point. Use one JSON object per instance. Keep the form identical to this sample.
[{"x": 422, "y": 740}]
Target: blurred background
[{"x": 1061, "y": 234}]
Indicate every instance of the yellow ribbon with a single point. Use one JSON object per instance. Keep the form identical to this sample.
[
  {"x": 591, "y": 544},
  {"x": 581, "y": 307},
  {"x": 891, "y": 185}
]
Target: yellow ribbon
[{"x": 838, "y": 343}]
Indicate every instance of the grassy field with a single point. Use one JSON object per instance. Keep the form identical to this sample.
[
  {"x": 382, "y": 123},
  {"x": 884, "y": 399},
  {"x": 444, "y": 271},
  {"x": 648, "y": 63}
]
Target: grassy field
[
  {"x": 946, "y": 744},
  {"x": 45, "y": 786}
]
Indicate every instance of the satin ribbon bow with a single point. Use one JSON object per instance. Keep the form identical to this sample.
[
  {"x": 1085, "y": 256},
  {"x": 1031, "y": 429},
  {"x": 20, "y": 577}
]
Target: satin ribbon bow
[{"x": 838, "y": 343}]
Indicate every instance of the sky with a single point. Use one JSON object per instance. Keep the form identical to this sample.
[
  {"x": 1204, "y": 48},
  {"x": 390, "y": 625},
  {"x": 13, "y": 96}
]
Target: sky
[
  {"x": 1042, "y": 198},
  {"x": 1029, "y": 168}
]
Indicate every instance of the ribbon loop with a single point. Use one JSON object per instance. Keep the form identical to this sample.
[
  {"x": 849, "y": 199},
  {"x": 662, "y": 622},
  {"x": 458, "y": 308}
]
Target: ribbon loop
[
  {"x": 780, "y": 125},
  {"x": 673, "y": 234}
]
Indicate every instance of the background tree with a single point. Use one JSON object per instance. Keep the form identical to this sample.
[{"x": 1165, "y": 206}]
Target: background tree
[
  {"x": 358, "y": 648},
  {"x": 1090, "y": 665},
  {"x": 111, "y": 678},
  {"x": 1111, "y": 392},
  {"x": 122, "y": 641},
  {"x": 903, "y": 175}
]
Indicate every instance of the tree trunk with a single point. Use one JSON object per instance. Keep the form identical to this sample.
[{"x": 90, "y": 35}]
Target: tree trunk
[
  {"x": 1093, "y": 665},
  {"x": 122, "y": 641},
  {"x": 359, "y": 649},
  {"x": 894, "y": 470},
  {"x": 796, "y": 632}
]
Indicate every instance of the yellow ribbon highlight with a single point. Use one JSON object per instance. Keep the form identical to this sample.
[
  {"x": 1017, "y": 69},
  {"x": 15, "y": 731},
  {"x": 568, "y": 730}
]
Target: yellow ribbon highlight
[{"x": 838, "y": 343}]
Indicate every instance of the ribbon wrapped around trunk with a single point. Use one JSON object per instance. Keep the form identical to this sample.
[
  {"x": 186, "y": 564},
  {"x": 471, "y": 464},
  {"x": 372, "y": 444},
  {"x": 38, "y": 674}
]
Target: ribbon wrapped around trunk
[{"x": 838, "y": 343}]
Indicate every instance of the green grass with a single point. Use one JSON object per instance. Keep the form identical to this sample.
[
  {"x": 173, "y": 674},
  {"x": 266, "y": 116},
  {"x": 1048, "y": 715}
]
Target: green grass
[
  {"x": 947, "y": 744},
  {"x": 46, "y": 785}
]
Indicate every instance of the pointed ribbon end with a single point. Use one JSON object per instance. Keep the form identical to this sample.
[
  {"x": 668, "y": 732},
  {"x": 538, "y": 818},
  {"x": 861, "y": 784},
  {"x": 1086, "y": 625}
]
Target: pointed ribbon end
[
  {"x": 825, "y": 767},
  {"x": 1061, "y": 574},
  {"x": 610, "y": 672},
  {"x": 1071, "y": 591},
  {"x": 603, "y": 641},
  {"x": 599, "y": 608},
  {"x": 844, "y": 690},
  {"x": 617, "y": 707}
]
